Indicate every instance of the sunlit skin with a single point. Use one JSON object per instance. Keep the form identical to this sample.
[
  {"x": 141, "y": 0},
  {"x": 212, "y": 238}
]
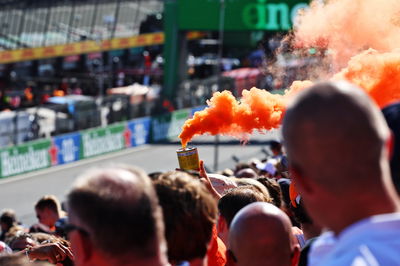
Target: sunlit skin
[{"x": 336, "y": 139}]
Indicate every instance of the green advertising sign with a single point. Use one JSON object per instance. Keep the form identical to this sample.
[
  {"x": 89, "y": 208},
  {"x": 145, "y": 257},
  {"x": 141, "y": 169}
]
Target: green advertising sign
[
  {"x": 25, "y": 158},
  {"x": 168, "y": 126},
  {"x": 103, "y": 140},
  {"x": 270, "y": 15}
]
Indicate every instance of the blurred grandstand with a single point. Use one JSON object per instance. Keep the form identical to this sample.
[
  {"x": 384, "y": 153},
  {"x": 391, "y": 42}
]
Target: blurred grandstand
[
  {"x": 36, "y": 23},
  {"x": 68, "y": 65},
  {"x": 56, "y": 55}
]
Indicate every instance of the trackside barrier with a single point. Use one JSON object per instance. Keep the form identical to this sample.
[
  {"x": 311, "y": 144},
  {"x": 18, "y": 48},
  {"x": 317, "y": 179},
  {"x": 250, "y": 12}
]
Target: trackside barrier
[
  {"x": 168, "y": 126},
  {"x": 139, "y": 131},
  {"x": 104, "y": 140},
  {"x": 63, "y": 149},
  {"x": 67, "y": 147},
  {"x": 27, "y": 157}
]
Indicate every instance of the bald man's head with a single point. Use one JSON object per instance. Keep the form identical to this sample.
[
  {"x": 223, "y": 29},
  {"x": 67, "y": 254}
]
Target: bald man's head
[
  {"x": 334, "y": 134},
  {"x": 261, "y": 234}
]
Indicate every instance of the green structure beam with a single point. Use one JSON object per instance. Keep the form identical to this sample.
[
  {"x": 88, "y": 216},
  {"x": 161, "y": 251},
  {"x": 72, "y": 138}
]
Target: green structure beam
[{"x": 174, "y": 50}]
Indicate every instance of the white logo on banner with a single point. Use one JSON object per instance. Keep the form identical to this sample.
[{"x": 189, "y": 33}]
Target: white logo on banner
[
  {"x": 68, "y": 150},
  {"x": 140, "y": 134}
]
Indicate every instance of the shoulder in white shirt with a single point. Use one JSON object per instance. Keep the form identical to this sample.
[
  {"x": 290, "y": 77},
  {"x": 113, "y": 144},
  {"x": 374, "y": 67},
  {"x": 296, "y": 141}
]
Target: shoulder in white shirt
[{"x": 372, "y": 241}]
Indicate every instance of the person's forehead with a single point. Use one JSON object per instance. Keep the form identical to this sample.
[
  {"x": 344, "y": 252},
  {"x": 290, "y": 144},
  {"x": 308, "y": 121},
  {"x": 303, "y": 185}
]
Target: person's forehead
[
  {"x": 41, "y": 210},
  {"x": 41, "y": 213}
]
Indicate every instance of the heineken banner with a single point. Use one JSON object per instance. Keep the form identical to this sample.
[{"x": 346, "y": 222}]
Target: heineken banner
[
  {"x": 168, "y": 126},
  {"x": 26, "y": 157},
  {"x": 67, "y": 147},
  {"x": 140, "y": 131},
  {"x": 103, "y": 140},
  {"x": 239, "y": 15},
  {"x": 80, "y": 145}
]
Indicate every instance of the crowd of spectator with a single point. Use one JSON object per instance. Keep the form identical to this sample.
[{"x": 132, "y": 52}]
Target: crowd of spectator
[{"x": 326, "y": 198}]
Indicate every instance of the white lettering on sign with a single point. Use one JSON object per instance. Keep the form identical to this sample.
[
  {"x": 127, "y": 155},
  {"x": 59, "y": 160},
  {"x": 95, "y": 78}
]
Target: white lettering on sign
[
  {"x": 94, "y": 144},
  {"x": 12, "y": 163}
]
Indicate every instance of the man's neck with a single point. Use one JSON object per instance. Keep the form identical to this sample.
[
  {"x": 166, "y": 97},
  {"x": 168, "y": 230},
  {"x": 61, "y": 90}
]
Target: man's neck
[
  {"x": 310, "y": 230},
  {"x": 384, "y": 203}
]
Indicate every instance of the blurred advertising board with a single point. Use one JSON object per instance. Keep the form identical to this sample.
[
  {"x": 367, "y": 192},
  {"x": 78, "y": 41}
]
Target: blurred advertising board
[
  {"x": 168, "y": 126},
  {"x": 81, "y": 48},
  {"x": 103, "y": 140},
  {"x": 67, "y": 147},
  {"x": 140, "y": 131},
  {"x": 72, "y": 147},
  {"x": 85, "y": 47},
  {"x": 271, "y": 15},
  {"x": 26, "y": 157}
]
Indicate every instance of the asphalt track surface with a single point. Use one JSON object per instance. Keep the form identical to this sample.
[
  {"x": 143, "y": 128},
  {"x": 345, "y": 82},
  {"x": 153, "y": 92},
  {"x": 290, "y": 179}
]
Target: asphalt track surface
[{"x": 21, "y": 192}]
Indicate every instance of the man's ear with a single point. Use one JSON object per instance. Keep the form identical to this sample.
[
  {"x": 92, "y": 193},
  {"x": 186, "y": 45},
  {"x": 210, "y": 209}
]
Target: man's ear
[{"x": 295, "y": 255}]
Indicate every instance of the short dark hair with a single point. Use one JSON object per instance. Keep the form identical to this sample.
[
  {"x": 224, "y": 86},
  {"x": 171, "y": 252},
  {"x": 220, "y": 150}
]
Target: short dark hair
[
  {"x": 50, "y": 202},
  {"x": 8, "y": 217},
  {"x": 190, "y": 213},
  {"x": 273, "y": 188},
  {"x": 275, "y": 145},
  {"x": 120, "y": 208},
  {"x": 255, "y": 185},
  {"x": 237, "y": 198}
]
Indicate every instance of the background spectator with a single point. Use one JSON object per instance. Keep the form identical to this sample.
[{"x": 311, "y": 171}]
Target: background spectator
[
  {"x": 190, "y": 214},
  {"x": 261, "y": 234},
  {"x": 337, "y": 140},
  {"x": 115, "y": 219},
  {"x": 231, "y": 203},
  {"x": 8, "y": 222},
  {"x": 48, "y": 211}
]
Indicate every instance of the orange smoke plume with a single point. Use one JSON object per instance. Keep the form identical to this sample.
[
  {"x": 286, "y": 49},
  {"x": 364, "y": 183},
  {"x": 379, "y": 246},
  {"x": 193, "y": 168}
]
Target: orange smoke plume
[
  {"x": 347, "y": 27},
  {"x": 377, "y": 73},
  {"x": 362, "y": 34},
  {"x": 257, "y": 109}
]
